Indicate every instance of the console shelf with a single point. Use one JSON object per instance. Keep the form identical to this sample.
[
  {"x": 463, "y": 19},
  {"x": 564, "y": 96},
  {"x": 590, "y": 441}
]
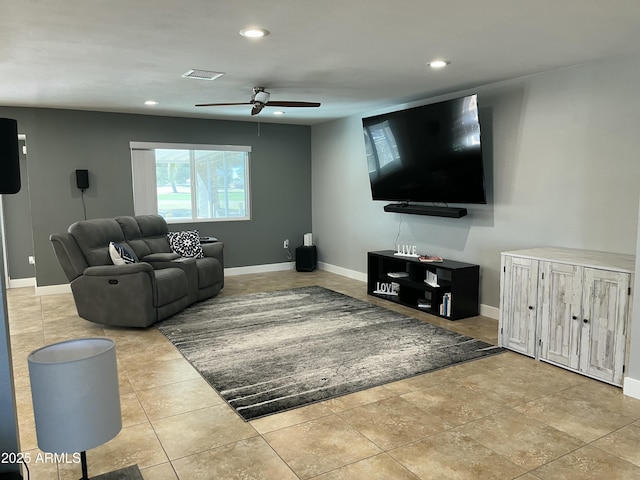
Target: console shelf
[{"x": 453, "y": 296}]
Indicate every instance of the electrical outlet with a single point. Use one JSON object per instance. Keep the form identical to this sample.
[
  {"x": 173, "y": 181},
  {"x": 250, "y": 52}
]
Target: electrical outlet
[
  {"x": 286, "y": 243},
  {"x": 32, "y": 260}
]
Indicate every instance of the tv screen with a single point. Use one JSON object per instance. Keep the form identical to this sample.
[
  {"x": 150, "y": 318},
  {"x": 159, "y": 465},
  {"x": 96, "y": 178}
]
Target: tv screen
[{"x": 430, "y": 153}]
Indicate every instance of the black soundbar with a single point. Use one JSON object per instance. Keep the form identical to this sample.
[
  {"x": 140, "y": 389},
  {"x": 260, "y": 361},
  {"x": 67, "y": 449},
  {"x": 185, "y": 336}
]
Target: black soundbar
[{"x": 452, "y": 212}]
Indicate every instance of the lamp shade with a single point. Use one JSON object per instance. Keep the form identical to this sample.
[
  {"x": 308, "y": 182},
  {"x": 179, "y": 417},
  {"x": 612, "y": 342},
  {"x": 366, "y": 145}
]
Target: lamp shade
[{"x": 76, "y": 399}]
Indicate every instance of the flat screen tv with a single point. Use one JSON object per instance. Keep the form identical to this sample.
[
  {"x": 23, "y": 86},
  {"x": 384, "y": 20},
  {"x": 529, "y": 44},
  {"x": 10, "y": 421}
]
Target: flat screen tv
[{"x": 430, "y": 153}]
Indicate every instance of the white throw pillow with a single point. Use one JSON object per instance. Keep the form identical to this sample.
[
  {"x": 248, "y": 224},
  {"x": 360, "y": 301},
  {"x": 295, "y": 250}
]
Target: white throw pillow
[{"x": 121, "y": 255}]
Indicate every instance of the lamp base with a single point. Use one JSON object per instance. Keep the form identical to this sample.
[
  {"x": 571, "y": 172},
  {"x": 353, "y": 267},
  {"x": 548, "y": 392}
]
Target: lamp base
[
  {"x": 10, "y": 476},
  {"x": 128, "y": 473}
]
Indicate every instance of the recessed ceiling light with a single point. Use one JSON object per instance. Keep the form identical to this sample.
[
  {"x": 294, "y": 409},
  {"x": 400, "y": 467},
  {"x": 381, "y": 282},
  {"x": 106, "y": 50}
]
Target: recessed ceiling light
[
  {"x": 278, "y": 113},
  {"x": 151, "y": 102},
  {"x": 438, "y": 63},
  {"x": 254, "y": 32}
]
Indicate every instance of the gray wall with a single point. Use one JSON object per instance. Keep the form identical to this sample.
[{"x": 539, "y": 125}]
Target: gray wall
[
  {"x": 17, "y": 217},
  {"x": 562, "y": 170},
  {"x": 61, "y": 141}
]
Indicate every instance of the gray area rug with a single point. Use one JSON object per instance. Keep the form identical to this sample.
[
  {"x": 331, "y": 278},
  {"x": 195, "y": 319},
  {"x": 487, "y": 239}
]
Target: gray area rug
[{"x": 270, "y": 352}]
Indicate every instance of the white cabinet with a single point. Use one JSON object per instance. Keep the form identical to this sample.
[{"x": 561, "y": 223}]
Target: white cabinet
[{"x": 568, "y": 307}]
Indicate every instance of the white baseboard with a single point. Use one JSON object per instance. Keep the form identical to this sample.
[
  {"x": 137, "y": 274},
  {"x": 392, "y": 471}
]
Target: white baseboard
[
  {"x": 489, "y": 311},
  {"x": 273, "y": 267},
  {"x": 485, "y": 310},
  {"x": 631, "y": 387},
  {"x": 53, "y": 289},
  {"x": 343, "y": 271},
  {"x": 269, "y": 267},
  {"x": 22, "y": 282}
]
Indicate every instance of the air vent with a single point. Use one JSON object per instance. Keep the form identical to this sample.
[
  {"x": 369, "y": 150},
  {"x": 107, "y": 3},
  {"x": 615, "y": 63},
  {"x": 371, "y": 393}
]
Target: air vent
[{"x": 202, "y": 74}]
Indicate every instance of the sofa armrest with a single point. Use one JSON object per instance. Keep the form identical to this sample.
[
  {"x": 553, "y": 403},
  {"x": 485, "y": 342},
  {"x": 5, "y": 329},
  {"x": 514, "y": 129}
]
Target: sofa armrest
[
  {"x": 215, "y": 250},
  {"x": 69, "y": 255},
  {"x": 113, "y": 270},
  {"x": 160, "y": 257},
  {"x": 180, "y": 262},
  {"x": 117, "y": 295}
]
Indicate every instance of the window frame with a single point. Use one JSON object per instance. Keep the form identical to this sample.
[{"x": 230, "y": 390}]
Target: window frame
[{"x": 144, "y": 182}]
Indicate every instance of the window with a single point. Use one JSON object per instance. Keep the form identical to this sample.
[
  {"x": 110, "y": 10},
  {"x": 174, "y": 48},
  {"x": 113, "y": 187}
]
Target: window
[{"x": 191, "y": 183}]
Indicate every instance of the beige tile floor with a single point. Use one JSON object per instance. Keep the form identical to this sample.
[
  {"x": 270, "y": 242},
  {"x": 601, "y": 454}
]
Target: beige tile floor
[{"x": 502, "y": 417}]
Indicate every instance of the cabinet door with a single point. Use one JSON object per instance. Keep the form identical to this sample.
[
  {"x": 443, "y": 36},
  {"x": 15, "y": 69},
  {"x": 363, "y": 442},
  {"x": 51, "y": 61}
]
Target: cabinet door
[
  {"x": 604, "y": 327},
  {"x": 518, "y": 304},
  {"x": 560, "y": 322}
]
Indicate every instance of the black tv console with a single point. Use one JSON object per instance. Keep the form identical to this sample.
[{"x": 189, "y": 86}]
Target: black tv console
[
  {"x": 401, "y": 280},
  {"x": 451, "y": 212}
]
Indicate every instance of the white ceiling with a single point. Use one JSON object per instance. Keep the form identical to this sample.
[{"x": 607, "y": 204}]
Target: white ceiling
[{"x": 353, "y": 56}]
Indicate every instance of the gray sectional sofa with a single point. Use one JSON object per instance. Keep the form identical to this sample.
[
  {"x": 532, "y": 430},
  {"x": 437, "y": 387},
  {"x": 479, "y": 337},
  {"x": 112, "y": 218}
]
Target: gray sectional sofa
[{"x": 159, "y": 282}]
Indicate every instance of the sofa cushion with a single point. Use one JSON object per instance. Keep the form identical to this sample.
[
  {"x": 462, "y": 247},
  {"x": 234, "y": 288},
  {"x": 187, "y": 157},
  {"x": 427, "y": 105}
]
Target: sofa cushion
[
  {"x": 93, "y": 237},
  {"x": 154, "y": 229},
  {"x": 121, "y": 255},
  {"x": 133, "y": 236},
  {"x": 209, "y": 271},
  {"x": 186, "y": 243},
  {"x": 171, "y": 285}
]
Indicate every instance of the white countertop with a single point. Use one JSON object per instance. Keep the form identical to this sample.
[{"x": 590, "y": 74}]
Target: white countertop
[{"x": 586, "y": 258}]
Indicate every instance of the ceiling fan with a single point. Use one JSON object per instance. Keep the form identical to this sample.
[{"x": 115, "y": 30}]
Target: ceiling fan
[{"x": 259, "y": 100}]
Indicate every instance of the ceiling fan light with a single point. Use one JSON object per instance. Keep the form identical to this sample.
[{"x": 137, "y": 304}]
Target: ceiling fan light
[
  {"x": 261, "y": 97},
  {"x": 254, "y": 32}
]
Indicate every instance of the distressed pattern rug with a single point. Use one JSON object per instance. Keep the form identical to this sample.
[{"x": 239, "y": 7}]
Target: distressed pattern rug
[{"x": 269, "y": 352}]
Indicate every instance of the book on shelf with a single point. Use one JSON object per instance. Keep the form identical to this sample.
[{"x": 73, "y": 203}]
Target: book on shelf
[
  {"x": 398, "y": 274},
  {"x": 425, "y": 304},
  {"x": 445, "y": 306},
  {"x": 430, "y": 258},
  {"x": 431, "y": 279}
]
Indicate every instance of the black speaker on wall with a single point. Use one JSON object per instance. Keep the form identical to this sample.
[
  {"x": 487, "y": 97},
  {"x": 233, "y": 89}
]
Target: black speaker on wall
[
  {"x": 82, "y": 179},
  {"x": 9, "y": 156}
]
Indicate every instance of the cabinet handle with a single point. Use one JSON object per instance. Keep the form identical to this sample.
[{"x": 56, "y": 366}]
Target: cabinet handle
[
  {"x": 574, "y": 317},
  {"x": 585, "y": 320},
  {"x": 530, "y": 307}
]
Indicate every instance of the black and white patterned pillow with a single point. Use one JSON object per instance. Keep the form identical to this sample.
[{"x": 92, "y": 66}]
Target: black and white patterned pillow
[
  {"x": 186, "y": 244},
  {"x": 121, "y": 255}
]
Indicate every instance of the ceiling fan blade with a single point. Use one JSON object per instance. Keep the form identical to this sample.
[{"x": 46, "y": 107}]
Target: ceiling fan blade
[
  {"x": 222, "y": 104},
  {"x": 292, "y": 104},
  {"x": 259, "y": 100}
]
